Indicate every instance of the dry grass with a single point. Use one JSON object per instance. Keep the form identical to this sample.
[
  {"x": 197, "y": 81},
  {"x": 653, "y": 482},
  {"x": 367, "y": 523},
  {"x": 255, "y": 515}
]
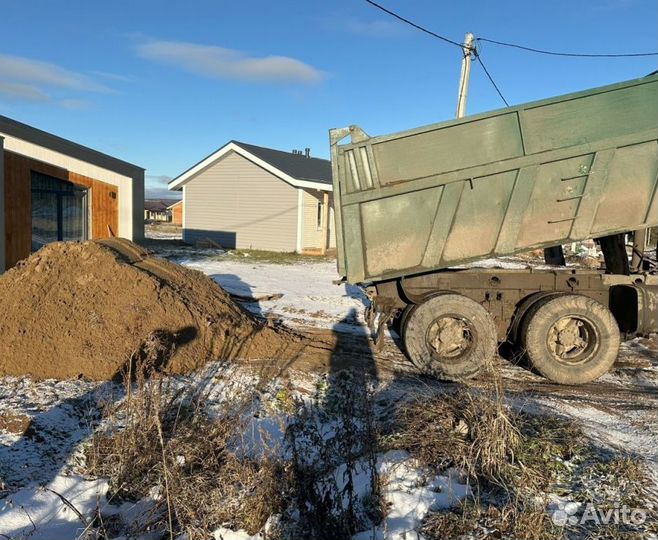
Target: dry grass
[
  {"x": 513, "y": 462},
  {"x": 164, "y": 444},
  {"x": 336, "y": 431},
  {"x": 476, "y": 433},
  {"x": 161, "y": 444},
  {"x": 475, "y": 520},
  {"x": 168, "y": 448},
  {"x": 615, "y": 482}
]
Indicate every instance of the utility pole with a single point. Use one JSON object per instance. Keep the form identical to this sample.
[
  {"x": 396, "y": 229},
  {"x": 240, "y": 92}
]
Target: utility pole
[{"x": 466, "y": 74}]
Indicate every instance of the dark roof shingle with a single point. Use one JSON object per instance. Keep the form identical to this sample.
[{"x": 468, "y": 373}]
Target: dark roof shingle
[
  {"x": 156, "y": 205},
  {"x": 296, "y": 165}
]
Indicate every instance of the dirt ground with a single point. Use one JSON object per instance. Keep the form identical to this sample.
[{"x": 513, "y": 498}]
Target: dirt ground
[
  {"x": 620, "y": 410},
  {"x": 89, "y": 309},
  {"x": 314, "y": 329}
]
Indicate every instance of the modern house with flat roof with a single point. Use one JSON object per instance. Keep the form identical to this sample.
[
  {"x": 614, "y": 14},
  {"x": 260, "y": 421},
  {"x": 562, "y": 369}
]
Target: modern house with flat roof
[
  {"x": 250, "y": 197},
  {"x": 52, "y": 189}
]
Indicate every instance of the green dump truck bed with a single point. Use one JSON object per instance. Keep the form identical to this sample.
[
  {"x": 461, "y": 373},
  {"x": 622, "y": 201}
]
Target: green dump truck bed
[{"x": 540, "y": 174}]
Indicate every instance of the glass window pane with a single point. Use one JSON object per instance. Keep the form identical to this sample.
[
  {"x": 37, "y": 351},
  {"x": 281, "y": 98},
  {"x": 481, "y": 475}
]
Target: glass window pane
[
  {"x": 73, "y": 217},
  {"x": 50, "y": 183},
  {"x": 59, "y": 210},
  {"x": 44, "y": 219}
]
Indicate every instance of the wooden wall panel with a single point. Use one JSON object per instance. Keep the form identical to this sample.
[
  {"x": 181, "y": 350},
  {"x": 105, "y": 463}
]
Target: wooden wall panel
[
  {"x": 104, "y": 207},
  {"x": 177, "y": 214}
]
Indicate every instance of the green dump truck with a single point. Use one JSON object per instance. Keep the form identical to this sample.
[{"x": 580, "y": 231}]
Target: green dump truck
[{"x": 413, "y": 208}]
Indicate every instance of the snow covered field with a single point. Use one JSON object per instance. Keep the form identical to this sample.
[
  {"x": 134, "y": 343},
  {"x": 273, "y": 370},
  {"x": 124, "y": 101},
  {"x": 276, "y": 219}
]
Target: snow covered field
[
  {"x": 308, "y": 294},
  {"x": 45, "y": 495}
]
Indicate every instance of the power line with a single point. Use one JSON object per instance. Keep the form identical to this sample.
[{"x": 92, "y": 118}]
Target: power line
[
  {"x": 411, "y": 23},
  {"x": 505, "y": 44},
  {"x": 479, "y": 59},
  {"x": 460, "y": 45},
  {"x": 502, "y": 43},
  {"x": 555, "y": 53}
]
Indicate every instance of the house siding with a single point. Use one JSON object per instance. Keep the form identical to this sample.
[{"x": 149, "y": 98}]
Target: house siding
[
  {"x": 103, "y": 203},
  {"x": 237, "y": 204},
  {"x": 177, "y": 213},
  {"x": 128, "y": 182},
  {"x": 312, "y": 236}
]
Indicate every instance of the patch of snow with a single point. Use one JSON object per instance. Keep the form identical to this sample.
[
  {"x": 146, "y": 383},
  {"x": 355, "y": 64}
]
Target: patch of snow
[
  {"x": 309, "y": 296},
  {"x": 227, "y": 534},
  {"x": 410, "y": 495},
  {"x": 42, "y": 513}
]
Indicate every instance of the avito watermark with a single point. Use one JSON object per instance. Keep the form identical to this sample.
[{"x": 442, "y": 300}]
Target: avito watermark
[{"x": 568, "y": 514}]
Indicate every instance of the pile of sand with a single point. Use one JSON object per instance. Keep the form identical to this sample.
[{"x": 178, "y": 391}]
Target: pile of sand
[{"x": 85, "y": 309}]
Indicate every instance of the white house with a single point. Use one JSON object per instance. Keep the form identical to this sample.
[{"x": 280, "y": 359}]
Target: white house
[{"x": 249, "y": 197}]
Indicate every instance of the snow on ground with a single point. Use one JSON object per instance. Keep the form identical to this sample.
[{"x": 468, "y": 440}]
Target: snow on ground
[
  {"x": 407, "y": 490},
  {"x": 411, "y": 496},
  {"x": 60, "y": 510},
  {"x": 163, "y": 231},
  {"x": 50, "y": 419},
  {"x": 43, "y": 424},
  {"x": 309, "y": 296}
]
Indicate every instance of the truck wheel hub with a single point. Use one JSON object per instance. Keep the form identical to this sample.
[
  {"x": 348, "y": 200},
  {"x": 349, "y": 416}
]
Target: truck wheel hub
[
  {"x": 450, "y": 336},
  {"x": 570, "y": 339}
]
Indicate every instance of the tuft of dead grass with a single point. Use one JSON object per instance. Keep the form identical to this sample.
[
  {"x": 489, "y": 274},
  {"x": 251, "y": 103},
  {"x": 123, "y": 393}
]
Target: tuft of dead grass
[
  {"x": 167, "y": 447},
  {"x": 471, "y": 431},
  {"x": 473, "y": 520},
  {"x": 514, "y": 463},
  {"x": 333, "y": 446}
]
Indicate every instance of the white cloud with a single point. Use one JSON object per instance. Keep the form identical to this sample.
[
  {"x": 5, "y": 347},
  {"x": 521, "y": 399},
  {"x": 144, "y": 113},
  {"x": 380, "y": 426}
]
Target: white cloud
[
  {"x": 31, "y": 80},
  {"x": 220, "y": 63},
  {"x": 75, "y": 104},
  {"x": 27, "y": 71},
  {"x": 378, "y": 28},
  {"x": 111, "y": 76},
  {"x": 161, "y": 179},
  {"x": 20, "y": 91},
  {"x": 156, "y": 188}
]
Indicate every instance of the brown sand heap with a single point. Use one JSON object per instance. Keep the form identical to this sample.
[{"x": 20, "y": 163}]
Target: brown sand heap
[{"x": 87, "y": 308}]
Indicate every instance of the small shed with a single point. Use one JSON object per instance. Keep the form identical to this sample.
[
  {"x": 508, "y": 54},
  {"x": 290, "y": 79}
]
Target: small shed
[
  {"x": 252, "y": 197},
  {"x": 53, "y": 189},
  {"x": 176, "y": 211}
]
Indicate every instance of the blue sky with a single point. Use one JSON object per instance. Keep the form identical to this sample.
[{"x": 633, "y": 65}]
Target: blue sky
[{"x": 163, "y": 84}]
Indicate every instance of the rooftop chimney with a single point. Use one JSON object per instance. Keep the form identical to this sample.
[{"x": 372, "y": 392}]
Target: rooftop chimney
[{"x": 307, "y": 152}]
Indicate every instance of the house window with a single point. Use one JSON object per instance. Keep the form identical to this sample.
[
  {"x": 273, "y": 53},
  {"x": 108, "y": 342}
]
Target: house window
[
  {"x": 59, "y": 210},
  {"x": 318, "y": 218}
]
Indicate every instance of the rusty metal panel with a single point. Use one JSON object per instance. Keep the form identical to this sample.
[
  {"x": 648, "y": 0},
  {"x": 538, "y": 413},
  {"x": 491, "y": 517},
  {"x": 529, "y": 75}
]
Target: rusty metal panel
[
  {"x": 415, "y": 156},
  {"x": 581, "y": 119},
  {"x": 630, "y": 186},
  {"x": 487, "y": 198},
  {"x": 535, "y": 175}
]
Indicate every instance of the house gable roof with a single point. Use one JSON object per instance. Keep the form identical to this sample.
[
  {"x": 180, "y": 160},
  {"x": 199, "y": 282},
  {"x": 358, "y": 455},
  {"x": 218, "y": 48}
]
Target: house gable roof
[
  {"x": 156, "y": 205},
  {"x": 21, "y": 131},
  {"x": 295, "y": 169}
]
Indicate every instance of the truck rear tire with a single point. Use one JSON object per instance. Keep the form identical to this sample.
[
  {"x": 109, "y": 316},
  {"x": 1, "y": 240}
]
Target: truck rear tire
[
  {"x": 570, "y": 339},
  {"x": 404, "y": 317},
  {"x": 450, "y": 337}
]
